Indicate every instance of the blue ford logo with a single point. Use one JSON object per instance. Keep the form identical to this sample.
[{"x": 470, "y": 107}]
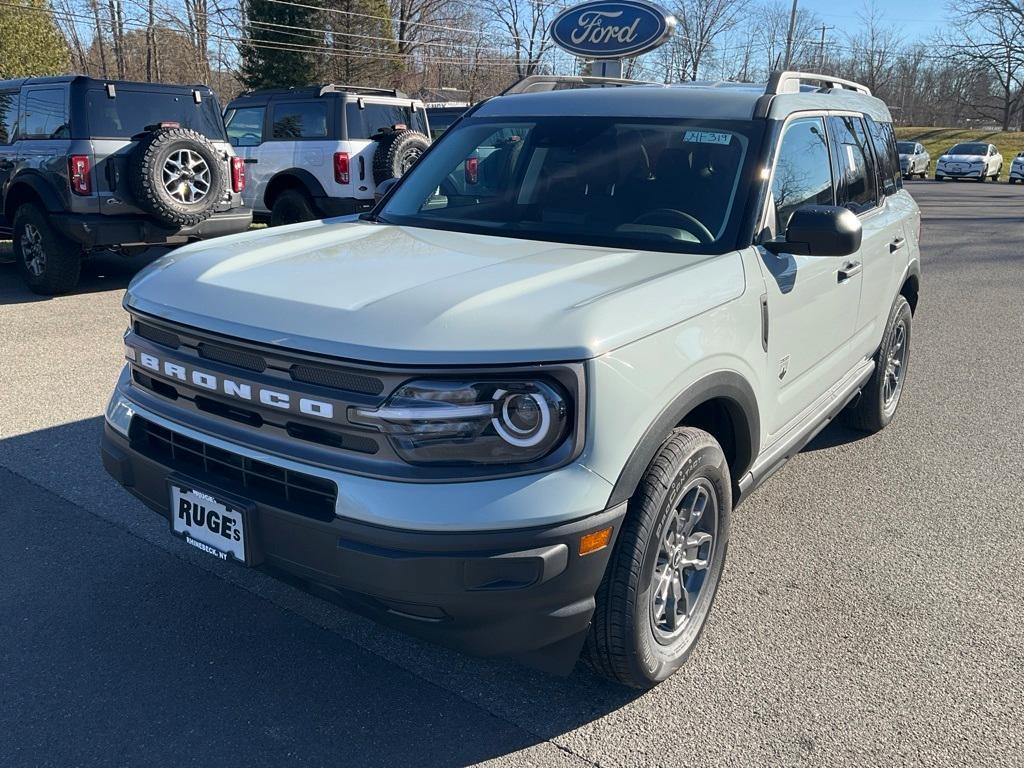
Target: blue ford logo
[{"x": 611, "y": 29}]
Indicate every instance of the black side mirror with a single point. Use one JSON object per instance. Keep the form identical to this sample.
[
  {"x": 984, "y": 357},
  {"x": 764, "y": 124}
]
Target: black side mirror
[
  {"x": 384, "y": 187},
  {"x": 820, "y": 230}
]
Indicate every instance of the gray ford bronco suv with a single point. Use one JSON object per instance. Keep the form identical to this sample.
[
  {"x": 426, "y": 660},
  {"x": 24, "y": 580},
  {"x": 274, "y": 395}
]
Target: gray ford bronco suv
[
  {"x": 90, "y": 165},
  {"x": 515, "y": 413}
]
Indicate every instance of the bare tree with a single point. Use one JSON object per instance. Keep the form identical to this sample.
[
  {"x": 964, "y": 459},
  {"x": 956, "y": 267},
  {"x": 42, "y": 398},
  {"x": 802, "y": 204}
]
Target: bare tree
[
  {"x": 525, "y": 23},
  {"x": 701, "y": 23}
]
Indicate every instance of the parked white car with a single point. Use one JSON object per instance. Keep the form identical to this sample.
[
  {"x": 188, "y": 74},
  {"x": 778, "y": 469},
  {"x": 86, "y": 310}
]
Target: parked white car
[
  {"x": 322, "y": 150},
  {"x": 914, "y": 159},
  {"x": 973, "y": 160},
  {"x": 1017, "y": 169}
]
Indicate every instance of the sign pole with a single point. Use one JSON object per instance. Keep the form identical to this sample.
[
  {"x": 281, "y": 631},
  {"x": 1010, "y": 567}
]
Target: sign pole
[{"x": 607, "y": 68}]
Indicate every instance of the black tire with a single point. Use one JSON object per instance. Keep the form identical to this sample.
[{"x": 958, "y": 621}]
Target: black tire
[
  {"x": 626, "y": 643},
  {"x": 201, "y": 183},
  {"x": 56, "y": 266},
  {"x": 291, "y": 207},
  {"x": 875, "y": 408},
  {"x": 396, "y": 152}
]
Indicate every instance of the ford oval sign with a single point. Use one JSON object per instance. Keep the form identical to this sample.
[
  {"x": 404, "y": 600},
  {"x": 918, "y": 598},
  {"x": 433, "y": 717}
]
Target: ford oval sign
[{"x": 612, "y": 29}]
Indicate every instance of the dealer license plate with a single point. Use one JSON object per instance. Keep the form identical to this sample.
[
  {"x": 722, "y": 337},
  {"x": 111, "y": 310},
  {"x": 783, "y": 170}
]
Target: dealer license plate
[{"x": 208, "y": 524}]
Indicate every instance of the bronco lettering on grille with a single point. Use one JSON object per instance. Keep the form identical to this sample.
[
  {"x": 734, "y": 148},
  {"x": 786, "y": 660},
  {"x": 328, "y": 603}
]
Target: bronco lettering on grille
[{"x": 236, "y": 389}]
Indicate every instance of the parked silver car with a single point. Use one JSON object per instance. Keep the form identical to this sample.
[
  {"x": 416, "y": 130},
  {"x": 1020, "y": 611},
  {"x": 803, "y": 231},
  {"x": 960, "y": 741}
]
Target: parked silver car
[
  {"x": 1017, "y": 169},
  {"x": 914, "y": 159}
]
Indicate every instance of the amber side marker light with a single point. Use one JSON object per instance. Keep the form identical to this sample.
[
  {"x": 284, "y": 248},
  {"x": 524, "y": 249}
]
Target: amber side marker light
[{"x": 592, "y": 542}]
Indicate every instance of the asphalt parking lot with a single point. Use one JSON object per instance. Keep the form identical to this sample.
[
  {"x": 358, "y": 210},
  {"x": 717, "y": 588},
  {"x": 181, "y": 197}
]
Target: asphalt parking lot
[{"x": 871, "y": 611}]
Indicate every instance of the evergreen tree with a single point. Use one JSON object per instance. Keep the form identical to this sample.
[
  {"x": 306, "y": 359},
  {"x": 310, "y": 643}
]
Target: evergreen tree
[
  {"x": 31, "y": 44},
  {"x": 273, "y": 57}
]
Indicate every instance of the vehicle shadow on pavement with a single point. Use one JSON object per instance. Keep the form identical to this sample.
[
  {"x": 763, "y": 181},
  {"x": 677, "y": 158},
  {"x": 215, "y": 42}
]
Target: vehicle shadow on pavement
[
  {"x": 833, "y": 435},
  {"x": 143, "y": 649},
  {"x": 100, "y": 272}
]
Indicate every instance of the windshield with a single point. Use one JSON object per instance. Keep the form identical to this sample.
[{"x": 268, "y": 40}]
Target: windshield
[
  {"x": 674, "y": 185},
  {"x": 130, "y": 111},
  {"x": 905, "y": 147},
  {"x": 969, "y": 149}
]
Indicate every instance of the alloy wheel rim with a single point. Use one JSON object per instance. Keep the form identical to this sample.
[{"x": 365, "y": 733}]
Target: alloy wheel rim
[
  {"x": 411, "y": 157},
  {"x": 32, "y": 250},
  {"x": 895, "y": 367},
  {"x": 186, "y": 176},
  {"x": 685, "y": 555}
]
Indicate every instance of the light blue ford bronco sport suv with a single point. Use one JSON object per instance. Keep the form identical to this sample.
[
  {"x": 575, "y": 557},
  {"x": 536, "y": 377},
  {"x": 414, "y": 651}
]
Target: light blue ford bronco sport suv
[{"x": 513, "y": 408}]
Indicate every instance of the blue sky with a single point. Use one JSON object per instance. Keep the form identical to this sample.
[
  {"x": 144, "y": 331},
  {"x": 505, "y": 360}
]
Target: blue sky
[{"x": 918, "y": 17}]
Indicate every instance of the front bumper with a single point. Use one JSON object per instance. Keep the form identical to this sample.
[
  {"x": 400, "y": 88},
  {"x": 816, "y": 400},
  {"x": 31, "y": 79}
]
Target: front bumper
[
  {"x": 1017, "y": 172},
  {"x": 524, "y": 592},
  {"x": 972, "y": 173},
  {"x": 99, "y": 231}
]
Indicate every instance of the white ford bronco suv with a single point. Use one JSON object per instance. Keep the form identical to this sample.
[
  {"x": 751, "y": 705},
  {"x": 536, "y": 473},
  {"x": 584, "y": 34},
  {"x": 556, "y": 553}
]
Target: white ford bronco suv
[
  {"x": 515, "y": 413},
  {"x": 323, "y": 150}
]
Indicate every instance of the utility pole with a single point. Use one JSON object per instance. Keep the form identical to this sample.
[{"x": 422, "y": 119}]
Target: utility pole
[
  {"x": 821, "y": 48},
  {"x": 789, "y": 38}
]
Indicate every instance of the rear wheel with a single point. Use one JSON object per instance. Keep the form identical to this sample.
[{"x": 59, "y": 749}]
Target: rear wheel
[
  {"x": 660, "y": 584},
  {"x": 291, "y": 207},
  {"x": 877, "y": 404},
  {"x": 49, "y": 262}
]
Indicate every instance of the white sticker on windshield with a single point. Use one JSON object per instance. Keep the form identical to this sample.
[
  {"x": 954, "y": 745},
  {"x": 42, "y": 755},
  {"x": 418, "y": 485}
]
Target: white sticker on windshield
[
  {"x": 707, "y": 137},
  {"x": 851, "y": 160}
]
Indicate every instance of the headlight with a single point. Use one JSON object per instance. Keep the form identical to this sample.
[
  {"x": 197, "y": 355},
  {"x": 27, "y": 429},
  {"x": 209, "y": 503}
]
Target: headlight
[{"x": 473, "y": 421}]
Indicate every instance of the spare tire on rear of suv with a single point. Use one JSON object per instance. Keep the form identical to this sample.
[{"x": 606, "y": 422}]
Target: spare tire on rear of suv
[
  {"x": 396, "y": 151},
  {"x": 177, "y": 175}
]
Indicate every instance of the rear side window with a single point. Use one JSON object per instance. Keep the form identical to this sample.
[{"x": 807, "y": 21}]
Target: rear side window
[
  {"x": 884, "y": 139},
  {"x": 245, "y": 126},
  {"x": 857, "y": 187},
  {"x": 299, "y": 120},
  {"x": 130, "y": 112},
  {"x": 373, "y": 118},
  {"x": 803, "y": 171},
  {"x": 8, "y": 116},
  {"x": 45, "y": 115}
]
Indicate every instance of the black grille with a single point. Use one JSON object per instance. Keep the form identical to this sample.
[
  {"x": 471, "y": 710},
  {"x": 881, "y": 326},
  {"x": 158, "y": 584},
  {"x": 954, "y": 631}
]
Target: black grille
[
  {"x": 236, "y": 357},
  {"x": 283, "y": 488},
  {"x": 158, "y": 335},
  {"x": 338, "y": 378}
]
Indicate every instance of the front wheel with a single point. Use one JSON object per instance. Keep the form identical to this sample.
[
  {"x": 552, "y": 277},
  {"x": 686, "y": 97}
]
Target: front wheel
[
  {"x": 49, "y": 262},
  {"x": 657, "y": 593},
  {"x": 877, "y": 404}
]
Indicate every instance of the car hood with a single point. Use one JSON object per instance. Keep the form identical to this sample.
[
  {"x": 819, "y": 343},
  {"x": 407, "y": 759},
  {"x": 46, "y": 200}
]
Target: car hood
[
  {"x": 963, "y": 158},
  {"x": 404, "y": 295}
]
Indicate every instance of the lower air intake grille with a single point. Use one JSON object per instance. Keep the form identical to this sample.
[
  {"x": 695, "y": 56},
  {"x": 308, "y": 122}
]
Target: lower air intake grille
[{"x": 286, "y": 489}]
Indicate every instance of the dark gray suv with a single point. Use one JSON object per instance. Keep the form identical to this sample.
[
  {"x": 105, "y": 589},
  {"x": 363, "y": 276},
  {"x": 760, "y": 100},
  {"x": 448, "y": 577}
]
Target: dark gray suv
[{"x": 90, "y": 164}]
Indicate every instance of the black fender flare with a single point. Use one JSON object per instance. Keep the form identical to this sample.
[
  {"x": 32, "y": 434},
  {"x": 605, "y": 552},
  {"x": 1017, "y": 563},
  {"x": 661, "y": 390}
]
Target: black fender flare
[
  {"x": 40, "y": 187},
  {"x": 741, "y": 403},
  {"x": 312, "y": 186}
]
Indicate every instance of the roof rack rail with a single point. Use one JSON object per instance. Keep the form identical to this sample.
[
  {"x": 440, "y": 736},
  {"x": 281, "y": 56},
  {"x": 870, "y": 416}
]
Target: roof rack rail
[
  {"x": 335, "y": 88},
  {"x": 542, "y": 83},
  {"x": 789, "y": 81}
]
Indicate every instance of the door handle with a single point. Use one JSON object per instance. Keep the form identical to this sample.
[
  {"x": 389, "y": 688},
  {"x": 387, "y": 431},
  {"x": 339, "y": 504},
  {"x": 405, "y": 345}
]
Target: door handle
[
  {"x": 896, "y": 244},
  {"x": 850, "y": 269}
]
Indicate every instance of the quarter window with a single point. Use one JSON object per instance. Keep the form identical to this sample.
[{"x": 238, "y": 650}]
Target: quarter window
[
  {"x": 8, "y": 116},
  {"x": 372, "y": 118},
  {"x": 884, "y": 139},
  {"x": 300, "y": 120},
  {"x": 245, "y": 126},
  {"x": 857, "y": 186},
  {"x": 803, "y": 173},
  {"x": 45, "y": 115}
]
